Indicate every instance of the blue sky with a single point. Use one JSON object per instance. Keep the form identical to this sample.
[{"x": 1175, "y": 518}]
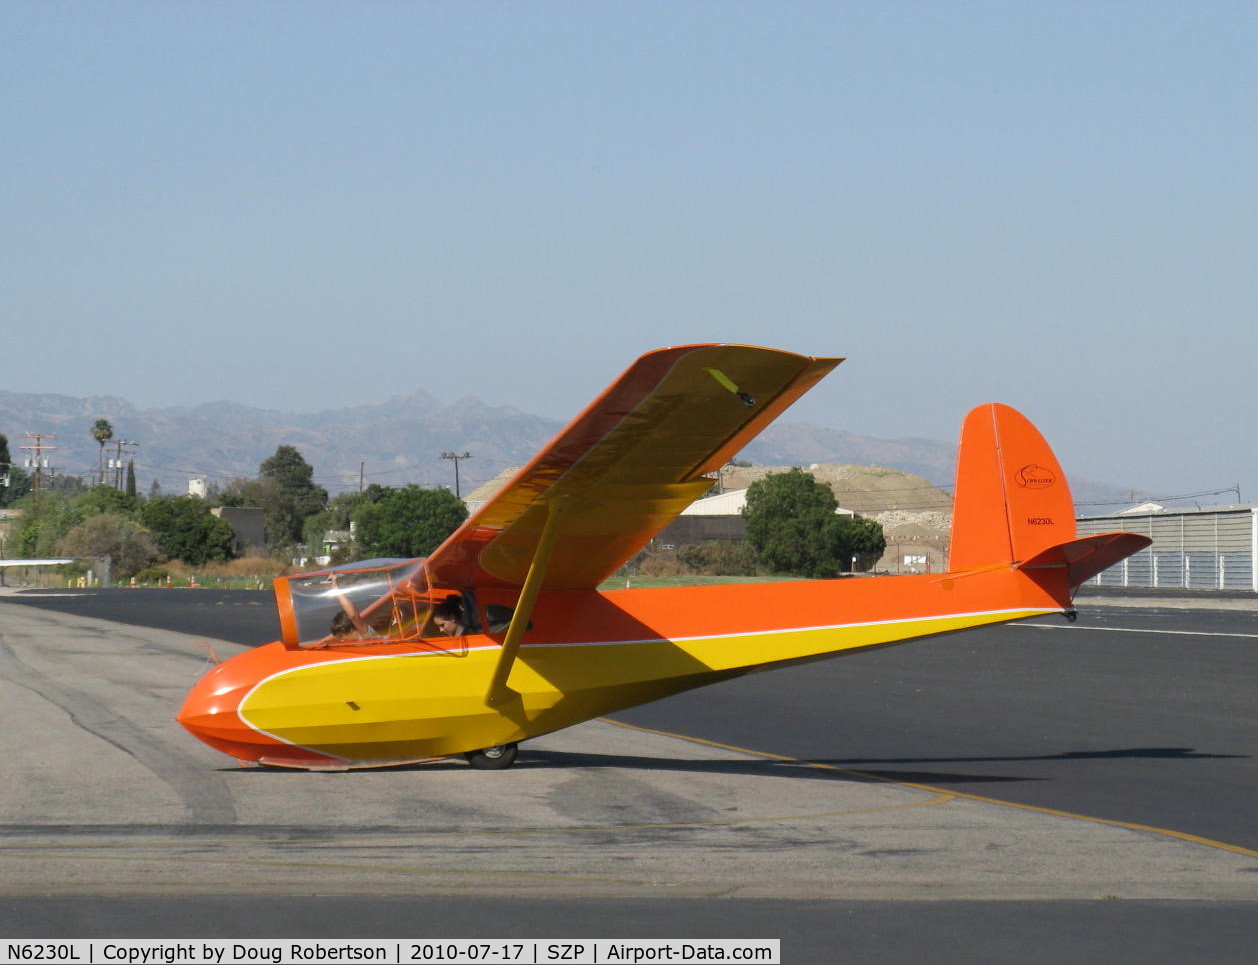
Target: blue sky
[{"x": 302, "y": 205}]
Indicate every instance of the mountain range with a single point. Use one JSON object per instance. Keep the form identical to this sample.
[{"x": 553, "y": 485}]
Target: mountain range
[{"x": 393, "y": 443}]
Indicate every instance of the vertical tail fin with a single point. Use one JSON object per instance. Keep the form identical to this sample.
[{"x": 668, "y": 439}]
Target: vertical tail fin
[{"x": 1012, "y": 501}]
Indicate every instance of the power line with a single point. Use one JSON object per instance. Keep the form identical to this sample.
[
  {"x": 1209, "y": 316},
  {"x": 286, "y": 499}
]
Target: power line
[{"x": 1157, "y": 499}]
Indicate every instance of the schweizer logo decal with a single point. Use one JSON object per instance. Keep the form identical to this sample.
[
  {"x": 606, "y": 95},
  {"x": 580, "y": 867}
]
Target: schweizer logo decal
[{"x": 1035, "y": 477}]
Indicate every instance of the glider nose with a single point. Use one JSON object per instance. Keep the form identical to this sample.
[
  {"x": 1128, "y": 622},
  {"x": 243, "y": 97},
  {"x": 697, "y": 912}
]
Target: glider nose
[
  {"x": 210, "y": 713},
  {"x": 213, "y": 712}
]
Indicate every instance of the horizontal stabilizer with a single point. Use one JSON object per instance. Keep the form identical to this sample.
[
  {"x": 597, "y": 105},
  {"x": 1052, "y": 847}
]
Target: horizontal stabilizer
[{"x": 1087, "y": 556}]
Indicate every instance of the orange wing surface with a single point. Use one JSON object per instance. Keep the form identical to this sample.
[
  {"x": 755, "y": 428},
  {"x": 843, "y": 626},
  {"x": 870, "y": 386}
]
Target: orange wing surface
[{"x": 627, "y": 465}]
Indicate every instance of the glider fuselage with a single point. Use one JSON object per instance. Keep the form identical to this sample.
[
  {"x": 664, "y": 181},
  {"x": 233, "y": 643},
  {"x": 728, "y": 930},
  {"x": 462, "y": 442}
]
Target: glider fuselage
[{"x": 589, "y": 653}]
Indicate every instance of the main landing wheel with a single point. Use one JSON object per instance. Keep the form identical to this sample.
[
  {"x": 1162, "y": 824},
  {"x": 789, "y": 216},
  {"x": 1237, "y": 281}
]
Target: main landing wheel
[{"x": 496, "y": 758}]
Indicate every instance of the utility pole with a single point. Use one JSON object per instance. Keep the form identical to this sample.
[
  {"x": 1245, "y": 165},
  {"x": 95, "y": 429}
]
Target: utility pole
[
  {"x": 456, "y": 457},
  {"x": 38, "y": 462},
  {"x": 116, "y": 464}
]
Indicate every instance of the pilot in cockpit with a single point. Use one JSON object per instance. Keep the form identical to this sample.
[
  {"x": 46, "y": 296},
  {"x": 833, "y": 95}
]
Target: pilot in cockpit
[{"x": 448, "y": 616}]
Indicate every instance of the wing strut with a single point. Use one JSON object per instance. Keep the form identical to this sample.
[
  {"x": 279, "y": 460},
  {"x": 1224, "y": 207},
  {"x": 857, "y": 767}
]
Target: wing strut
[{"x": 499, "y": 692}]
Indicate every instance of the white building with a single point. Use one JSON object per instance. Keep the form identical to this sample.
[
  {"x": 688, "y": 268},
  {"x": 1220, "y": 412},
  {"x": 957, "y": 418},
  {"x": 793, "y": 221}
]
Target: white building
[{"x": 717, "y": 517}]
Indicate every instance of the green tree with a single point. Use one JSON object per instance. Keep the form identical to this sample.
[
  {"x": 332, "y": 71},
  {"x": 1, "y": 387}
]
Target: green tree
[
  {"x": 407, "y": 522},
  {"x": 792, "y": 525},
  {"x": 185, "y": 529},
  {"x": 719, "y": 558},
  {"x": 44, "y": 521},
  {"x": 14, "y": 482},
  {"x": 865, "y": 540},
  {"x": 129, "y": 546},
  {"x": 292, "y": 497},
  {"x": 336, "y": 515},
  {"x": 286, "y": 493},
  {"x": 340, "y": 514},
  {"x": 105, "y": 499},
  {"x": 70, "y": 485},
  {"x": 102, "y": 432}
]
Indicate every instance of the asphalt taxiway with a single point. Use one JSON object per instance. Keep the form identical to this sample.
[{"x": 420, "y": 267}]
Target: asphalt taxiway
[{"x": 1018, "y": 765}]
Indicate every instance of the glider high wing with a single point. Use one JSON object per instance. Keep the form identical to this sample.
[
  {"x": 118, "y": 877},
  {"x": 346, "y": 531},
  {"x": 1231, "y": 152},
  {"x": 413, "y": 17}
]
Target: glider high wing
[{"x": 626, "y": 466}]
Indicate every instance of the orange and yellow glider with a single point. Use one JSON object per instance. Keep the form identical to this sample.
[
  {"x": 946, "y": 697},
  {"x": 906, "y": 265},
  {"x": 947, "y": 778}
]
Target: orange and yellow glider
[{"x": 363, "y": 677}]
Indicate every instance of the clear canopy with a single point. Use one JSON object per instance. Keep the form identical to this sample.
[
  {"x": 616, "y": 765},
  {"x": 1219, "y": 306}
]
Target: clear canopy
[{"x": 385, "y": 599}]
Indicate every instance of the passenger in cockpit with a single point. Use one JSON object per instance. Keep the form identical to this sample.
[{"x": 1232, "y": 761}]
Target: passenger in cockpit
[{"x": 342, "y": 628}]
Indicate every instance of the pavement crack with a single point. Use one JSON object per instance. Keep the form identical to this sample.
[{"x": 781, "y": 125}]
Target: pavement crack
[{"x": 205, "y": 795}]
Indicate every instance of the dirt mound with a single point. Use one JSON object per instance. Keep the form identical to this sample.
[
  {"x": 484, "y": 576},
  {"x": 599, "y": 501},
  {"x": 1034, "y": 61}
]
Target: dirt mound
[
  {"x": 867, "y": 490},
  {"x": 916, "y": 517}
]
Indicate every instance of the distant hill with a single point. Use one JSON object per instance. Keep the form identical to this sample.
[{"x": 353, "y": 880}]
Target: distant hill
[
  {"x": 801, "y": 444},
  {"x": 396, "y": 442}
]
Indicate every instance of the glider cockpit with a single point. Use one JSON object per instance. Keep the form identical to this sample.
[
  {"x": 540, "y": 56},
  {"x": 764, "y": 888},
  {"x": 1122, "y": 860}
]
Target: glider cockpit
[{"x": 371, "y": 601}]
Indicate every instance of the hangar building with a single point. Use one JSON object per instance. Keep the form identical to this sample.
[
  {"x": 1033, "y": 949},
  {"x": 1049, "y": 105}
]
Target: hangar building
[{"x": 1199, "y": 549}]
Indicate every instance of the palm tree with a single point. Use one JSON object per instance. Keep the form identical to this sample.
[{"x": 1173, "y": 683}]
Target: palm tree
[{"x": 102, "y": 432}]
